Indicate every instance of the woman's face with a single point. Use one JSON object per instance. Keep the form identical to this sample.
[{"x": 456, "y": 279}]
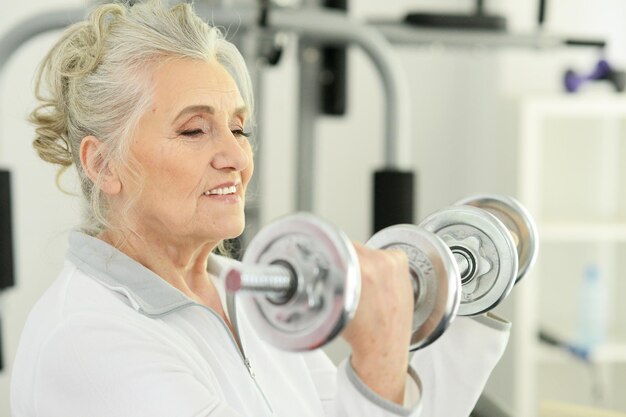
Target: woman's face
[{"x": 194, "y": 157}]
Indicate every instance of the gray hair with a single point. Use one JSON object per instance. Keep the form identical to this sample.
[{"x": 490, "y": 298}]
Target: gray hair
[{"x": 95, "y": 81}]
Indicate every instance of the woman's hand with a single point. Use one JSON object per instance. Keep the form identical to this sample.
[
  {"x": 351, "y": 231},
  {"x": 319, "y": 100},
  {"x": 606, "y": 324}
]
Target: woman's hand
[{"x": 380, "y": 331}]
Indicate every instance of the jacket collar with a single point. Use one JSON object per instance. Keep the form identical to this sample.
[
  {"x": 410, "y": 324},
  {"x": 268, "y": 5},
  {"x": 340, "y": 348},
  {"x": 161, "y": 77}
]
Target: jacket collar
[{"x": 148, "y": 293}]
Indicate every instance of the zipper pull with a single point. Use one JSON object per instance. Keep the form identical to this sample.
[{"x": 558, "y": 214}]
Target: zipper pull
[
  {"x": 249, "y": 366},
  {"x": 246, "y": 361}
]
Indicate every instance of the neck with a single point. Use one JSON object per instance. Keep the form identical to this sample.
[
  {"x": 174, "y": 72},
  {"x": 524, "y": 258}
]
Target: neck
[{"x": 182, "y": 265}]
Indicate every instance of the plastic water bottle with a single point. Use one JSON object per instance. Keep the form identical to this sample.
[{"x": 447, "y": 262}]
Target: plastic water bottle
[{"x": 593, "y": 308}]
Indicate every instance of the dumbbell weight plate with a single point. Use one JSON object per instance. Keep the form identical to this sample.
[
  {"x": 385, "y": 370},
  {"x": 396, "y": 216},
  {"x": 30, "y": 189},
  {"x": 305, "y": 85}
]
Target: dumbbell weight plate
[
  {"x": 478, "y": 234},
  {"x": 519, "y": 222},
  {"x": 328, "y": 293},
  {"x": 435, "y": 276}
]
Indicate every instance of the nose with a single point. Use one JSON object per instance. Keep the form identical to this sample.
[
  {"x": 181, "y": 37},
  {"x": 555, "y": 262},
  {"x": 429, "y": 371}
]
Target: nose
[{"x": 233, "y": 154}]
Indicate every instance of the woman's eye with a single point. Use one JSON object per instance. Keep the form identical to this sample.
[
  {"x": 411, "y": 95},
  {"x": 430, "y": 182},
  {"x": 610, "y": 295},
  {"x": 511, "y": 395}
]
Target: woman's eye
[
  {"x": 240, "y": 132},
  {"x": 192, "y": 132}
]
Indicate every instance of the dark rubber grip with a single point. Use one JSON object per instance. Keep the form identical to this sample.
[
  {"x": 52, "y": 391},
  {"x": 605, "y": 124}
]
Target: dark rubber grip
[
  {"x": 7, "y": 278},
  {"x": 393, "y": 198}
]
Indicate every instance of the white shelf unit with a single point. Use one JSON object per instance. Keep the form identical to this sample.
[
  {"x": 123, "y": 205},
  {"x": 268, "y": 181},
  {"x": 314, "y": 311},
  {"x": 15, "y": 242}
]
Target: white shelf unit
[{"x": 572, "y": 178}]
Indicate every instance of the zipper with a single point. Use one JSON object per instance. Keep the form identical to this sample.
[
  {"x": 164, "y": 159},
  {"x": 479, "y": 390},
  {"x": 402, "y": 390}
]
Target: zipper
[
  {"x": 234, "y": 339},
  {"x": 237, "y": 342},
  {"x": 251, "y": 371}
]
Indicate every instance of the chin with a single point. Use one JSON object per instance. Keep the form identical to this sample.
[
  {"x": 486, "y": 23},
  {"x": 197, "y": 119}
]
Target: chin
[{"x": 232, "y": 228}]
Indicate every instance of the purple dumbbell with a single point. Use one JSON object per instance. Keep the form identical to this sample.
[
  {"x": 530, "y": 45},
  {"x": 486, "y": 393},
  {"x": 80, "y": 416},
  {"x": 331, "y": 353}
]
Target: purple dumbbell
[{"x": 601, "y": 72}]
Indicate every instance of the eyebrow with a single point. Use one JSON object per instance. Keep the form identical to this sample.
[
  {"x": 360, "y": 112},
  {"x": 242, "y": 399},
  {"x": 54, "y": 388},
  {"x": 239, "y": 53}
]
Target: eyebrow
[{"x": 203, "y": 108}]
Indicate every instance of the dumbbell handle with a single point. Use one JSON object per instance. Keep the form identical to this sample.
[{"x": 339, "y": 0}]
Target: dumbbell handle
[
  {"x": 276, "y": 281},
  {"x": 268, "y": 279}
]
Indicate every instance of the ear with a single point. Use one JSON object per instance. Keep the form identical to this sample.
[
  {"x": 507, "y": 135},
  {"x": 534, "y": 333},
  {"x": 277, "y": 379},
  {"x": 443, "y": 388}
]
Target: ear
[{"x": 94, "y": 166}]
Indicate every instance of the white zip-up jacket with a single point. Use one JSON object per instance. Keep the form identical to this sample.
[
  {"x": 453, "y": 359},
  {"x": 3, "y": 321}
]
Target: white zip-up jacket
[{"x": 110, "y": 338}]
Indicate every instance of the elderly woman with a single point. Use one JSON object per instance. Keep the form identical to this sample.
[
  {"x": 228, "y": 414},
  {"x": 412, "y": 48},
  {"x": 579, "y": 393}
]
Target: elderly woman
[{"x": 153, "y": 108}]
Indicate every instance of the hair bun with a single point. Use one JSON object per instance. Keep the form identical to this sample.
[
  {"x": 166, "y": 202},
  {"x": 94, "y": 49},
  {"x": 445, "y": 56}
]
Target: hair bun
[{"x": 76, "y": 55}]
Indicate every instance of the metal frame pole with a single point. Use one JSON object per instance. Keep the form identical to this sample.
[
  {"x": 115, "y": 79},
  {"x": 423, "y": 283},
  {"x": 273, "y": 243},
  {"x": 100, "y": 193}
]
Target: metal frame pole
[
  {"x": 333, "y": 27},
  {"x": 308, "y": 111}
]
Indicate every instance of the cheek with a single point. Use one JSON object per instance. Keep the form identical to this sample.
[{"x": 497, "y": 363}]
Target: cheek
[
  {"x": 247, "y": 173},
  {"x": 166, "y": 171}
]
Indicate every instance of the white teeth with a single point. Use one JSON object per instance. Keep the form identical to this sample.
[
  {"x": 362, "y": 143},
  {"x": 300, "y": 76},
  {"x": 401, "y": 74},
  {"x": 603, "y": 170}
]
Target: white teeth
[{"x": 222, "y": 191}]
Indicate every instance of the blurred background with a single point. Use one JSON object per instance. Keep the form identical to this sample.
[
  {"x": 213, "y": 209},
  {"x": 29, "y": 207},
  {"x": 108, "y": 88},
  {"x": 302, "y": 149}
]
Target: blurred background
[{"x": 489, "y": 112}]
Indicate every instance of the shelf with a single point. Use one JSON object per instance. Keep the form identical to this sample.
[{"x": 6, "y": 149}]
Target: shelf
[
  {"x": 578, "y": 105},
  {"x": 400, "y": 33},
  {"x": 580, "y": 232},
  {"x": 571, "y": 176}
]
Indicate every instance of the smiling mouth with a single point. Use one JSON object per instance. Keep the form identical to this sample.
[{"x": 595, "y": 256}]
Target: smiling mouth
[{"x": 221, "y": 191}]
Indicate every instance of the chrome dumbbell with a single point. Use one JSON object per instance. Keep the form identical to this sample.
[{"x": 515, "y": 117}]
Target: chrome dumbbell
[
  {"x": 484, "y": 251},
  {"x": 493, "y": 242},
  {"x": 303, "y": 278},
  {"x": 504, "y": 235},
  {"x": 435, "y": 278},
  {"x": 478, "y": 253},
  {"x": 517, "y": 220}
]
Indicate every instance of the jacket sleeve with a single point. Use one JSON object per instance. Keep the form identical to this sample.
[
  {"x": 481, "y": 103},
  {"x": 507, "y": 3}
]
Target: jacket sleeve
[
  {"x": 455, "y": 368},
  {"x": 98, "y": 366},
  {"x": 343, "y": 394}
]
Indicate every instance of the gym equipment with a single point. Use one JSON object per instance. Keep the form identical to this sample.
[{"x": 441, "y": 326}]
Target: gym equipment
[
  {"x": 333, "y": 75},
  {"x": 305, "y": 280},
  {"x": 484, "y": 250},
  {"x": 493, "y": 247},
  {"x": 393, "y": 198},
  {"x": 7, "y": 272},
  {"x": 435, "y": 279},
  {"x": 303, "y": 277},
  {"x": 479, "y": 20},
  {"x": 519, "y": 222},
  {"x": 7, "y": 269},
  {"x": 573, "y": 81}
]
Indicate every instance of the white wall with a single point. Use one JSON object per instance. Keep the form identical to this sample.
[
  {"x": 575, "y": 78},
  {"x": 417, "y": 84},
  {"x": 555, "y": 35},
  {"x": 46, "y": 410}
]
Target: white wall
[
  {"x": 42, "y": 215},
  {"x": 457, "y": 149}
]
